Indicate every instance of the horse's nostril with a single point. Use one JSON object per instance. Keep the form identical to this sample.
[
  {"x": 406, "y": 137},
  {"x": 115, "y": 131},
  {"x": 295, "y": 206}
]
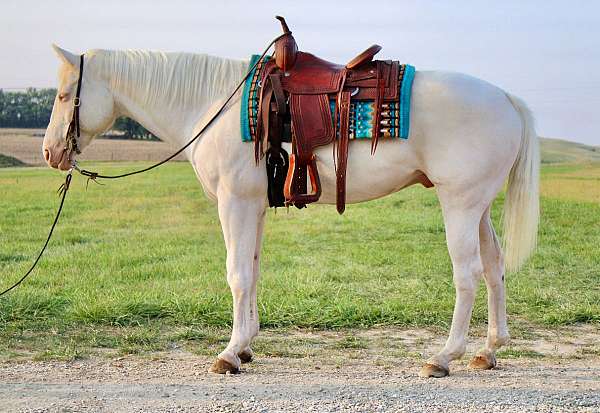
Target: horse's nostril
[{"x": 47, "y": 155}]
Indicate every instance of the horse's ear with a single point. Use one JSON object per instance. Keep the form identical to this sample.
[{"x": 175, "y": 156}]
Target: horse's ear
[{"x": 66, "y": 56}]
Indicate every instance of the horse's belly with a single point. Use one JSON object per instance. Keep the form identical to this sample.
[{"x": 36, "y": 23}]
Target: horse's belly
[{"x": 368, "y": 177}]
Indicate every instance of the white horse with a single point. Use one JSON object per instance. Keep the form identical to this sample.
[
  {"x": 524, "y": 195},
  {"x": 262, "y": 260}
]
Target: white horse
[{"x": 467, "y": 136}]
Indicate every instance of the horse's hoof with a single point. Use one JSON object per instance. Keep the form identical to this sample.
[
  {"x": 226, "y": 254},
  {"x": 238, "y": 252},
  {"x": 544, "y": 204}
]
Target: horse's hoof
[
  {"x": 483, "y": 362},
  {"x": 246, "y": 356},
  {"x": 433, "y": 370},
  {"x": 223, "y": 367}
]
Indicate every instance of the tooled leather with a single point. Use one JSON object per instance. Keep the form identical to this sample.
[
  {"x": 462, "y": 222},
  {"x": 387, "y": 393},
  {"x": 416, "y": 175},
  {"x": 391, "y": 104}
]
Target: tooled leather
[
  {"x": 264, "y": 107},
  {"x": 342, "y": 155},
  {"x": 312, "y": 75},
  {"x": 311, "y": 117},
  {"x": 286, "y": 51},
  {"x": 378, "y": 102},
  {"x": 364, "y": 57},
  {"x": 275, "y": 79},
  {"x": 367, "y": 82}
]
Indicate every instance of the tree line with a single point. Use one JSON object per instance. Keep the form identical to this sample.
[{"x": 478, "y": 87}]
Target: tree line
[{"x": 32, "y": 108}]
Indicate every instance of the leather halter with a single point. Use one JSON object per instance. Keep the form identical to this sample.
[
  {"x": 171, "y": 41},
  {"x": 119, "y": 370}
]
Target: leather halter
[{"x": 74, "y": 131}]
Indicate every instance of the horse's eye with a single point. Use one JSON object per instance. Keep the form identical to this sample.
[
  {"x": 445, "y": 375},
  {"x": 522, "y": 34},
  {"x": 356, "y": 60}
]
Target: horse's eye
[{"x": 63, "y": 97}]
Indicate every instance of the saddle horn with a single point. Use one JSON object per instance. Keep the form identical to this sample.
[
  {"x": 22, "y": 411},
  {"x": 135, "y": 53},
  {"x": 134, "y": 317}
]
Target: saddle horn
[
  {"x": 285, "y": 48},
  {"x": 284, "y": 25}
]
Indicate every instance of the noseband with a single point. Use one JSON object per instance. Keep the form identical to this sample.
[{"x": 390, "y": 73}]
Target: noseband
[{"x": 74, "y": 131}]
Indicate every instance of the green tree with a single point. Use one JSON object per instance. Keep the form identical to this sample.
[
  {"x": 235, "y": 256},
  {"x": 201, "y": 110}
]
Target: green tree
[
  {"x": 33, "y": 107},
  {"x": 132, "y": 129}
]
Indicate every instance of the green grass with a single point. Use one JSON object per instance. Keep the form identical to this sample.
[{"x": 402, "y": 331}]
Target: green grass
[
  {"x": 145, "y": 255},
  {"x": 512, "y": 352},
  {"x": 351, "y": 342}
]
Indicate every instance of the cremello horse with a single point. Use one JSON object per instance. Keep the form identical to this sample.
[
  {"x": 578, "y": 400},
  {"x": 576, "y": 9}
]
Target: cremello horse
[{"x": 466, "y": 135}]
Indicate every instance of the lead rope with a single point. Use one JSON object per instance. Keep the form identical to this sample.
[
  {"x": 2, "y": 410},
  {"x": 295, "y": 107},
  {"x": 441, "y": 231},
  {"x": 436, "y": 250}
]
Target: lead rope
[{"x": 64, "y": 188}]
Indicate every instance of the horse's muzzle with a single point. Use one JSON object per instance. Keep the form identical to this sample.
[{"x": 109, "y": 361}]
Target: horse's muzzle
[{"x": 58, "y": 158}]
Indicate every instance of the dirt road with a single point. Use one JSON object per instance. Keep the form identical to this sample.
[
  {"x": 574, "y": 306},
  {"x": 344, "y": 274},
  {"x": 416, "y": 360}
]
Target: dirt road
[
  {"x": 178, "y": 382},
  {"x": 559, "y": 375}
]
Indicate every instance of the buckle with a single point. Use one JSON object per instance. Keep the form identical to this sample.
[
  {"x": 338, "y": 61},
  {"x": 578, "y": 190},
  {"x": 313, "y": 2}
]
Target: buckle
[{"x": 76, "y": 102}]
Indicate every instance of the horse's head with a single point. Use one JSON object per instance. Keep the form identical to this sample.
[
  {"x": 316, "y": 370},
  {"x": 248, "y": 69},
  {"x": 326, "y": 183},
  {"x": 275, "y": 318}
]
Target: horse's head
[{"x": 96, "y": 110}]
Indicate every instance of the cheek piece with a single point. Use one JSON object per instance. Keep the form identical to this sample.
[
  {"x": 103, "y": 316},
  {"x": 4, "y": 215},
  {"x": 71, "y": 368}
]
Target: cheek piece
[{"x": 74, "y": 131}]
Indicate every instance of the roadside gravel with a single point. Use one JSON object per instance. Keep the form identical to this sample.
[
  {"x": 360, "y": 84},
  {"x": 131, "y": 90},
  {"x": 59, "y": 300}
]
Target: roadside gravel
[{"x": 342, "y": 380}]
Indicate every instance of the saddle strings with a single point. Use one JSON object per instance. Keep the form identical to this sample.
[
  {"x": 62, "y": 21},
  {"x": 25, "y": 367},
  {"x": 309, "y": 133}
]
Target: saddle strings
[{"x": 64, "y": 188}]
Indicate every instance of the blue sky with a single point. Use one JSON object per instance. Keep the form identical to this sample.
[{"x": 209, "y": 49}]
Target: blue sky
[{"x": 547, "y": 52}]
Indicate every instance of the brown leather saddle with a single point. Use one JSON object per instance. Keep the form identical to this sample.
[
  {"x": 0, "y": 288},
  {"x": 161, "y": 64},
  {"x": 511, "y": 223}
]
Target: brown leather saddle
[{"x": 297, "y": 88}]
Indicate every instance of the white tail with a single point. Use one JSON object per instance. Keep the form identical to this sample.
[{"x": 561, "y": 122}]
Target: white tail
[{"x": 521, "y": 207}]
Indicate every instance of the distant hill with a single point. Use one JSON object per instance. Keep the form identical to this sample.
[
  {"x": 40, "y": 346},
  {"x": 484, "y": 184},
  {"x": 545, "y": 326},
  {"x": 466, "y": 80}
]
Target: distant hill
[
  {"x": 561, "y": 151},
  {"x": 9, "y": 161}
]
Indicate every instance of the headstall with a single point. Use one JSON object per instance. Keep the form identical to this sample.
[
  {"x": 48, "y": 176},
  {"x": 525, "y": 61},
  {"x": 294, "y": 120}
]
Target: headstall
[{"x": 74, "y": 130}]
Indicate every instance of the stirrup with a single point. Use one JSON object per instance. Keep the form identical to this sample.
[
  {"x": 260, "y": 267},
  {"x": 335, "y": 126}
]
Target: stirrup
[{"x": 315, "y": 183}]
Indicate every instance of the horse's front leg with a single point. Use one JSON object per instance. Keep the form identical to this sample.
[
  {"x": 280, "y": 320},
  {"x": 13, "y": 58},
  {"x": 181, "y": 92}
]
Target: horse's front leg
[
  {"x": 241, "y": 220},
  {"x": 246, "y": 355}
]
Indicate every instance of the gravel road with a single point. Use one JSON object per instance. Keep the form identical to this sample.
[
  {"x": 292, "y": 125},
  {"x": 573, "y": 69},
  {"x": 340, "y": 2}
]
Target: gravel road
[{"x": 341, "y": 380}]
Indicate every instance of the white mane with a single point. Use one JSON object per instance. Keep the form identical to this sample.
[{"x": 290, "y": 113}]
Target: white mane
[{"x": 167, "y": 78}]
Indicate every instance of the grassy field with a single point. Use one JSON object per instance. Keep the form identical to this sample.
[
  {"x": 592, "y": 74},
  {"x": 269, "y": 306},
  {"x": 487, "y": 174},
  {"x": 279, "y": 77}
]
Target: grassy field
[{"x": 139, "y": 263}]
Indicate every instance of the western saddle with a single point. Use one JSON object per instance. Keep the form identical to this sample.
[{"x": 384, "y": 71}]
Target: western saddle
[{"x": 311, "y": 98}]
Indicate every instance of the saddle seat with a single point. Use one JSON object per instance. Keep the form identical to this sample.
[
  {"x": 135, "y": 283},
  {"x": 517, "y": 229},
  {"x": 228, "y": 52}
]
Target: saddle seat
[{"x": 301, "y": 89}]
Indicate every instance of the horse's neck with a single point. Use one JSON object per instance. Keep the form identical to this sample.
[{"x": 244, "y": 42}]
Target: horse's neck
[{"x": 168, "y": 93}]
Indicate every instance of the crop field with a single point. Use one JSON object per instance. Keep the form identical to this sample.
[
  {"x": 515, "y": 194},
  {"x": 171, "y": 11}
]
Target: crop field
[
  {"x": 140, "y": 263},
  {"x": 25, "y": 146}
]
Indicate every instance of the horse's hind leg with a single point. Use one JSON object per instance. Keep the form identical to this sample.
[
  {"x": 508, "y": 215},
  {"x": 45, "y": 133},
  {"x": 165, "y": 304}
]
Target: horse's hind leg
[
  {"x": 493, "y": 273},
  {"x": 462, "y": 234}
]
